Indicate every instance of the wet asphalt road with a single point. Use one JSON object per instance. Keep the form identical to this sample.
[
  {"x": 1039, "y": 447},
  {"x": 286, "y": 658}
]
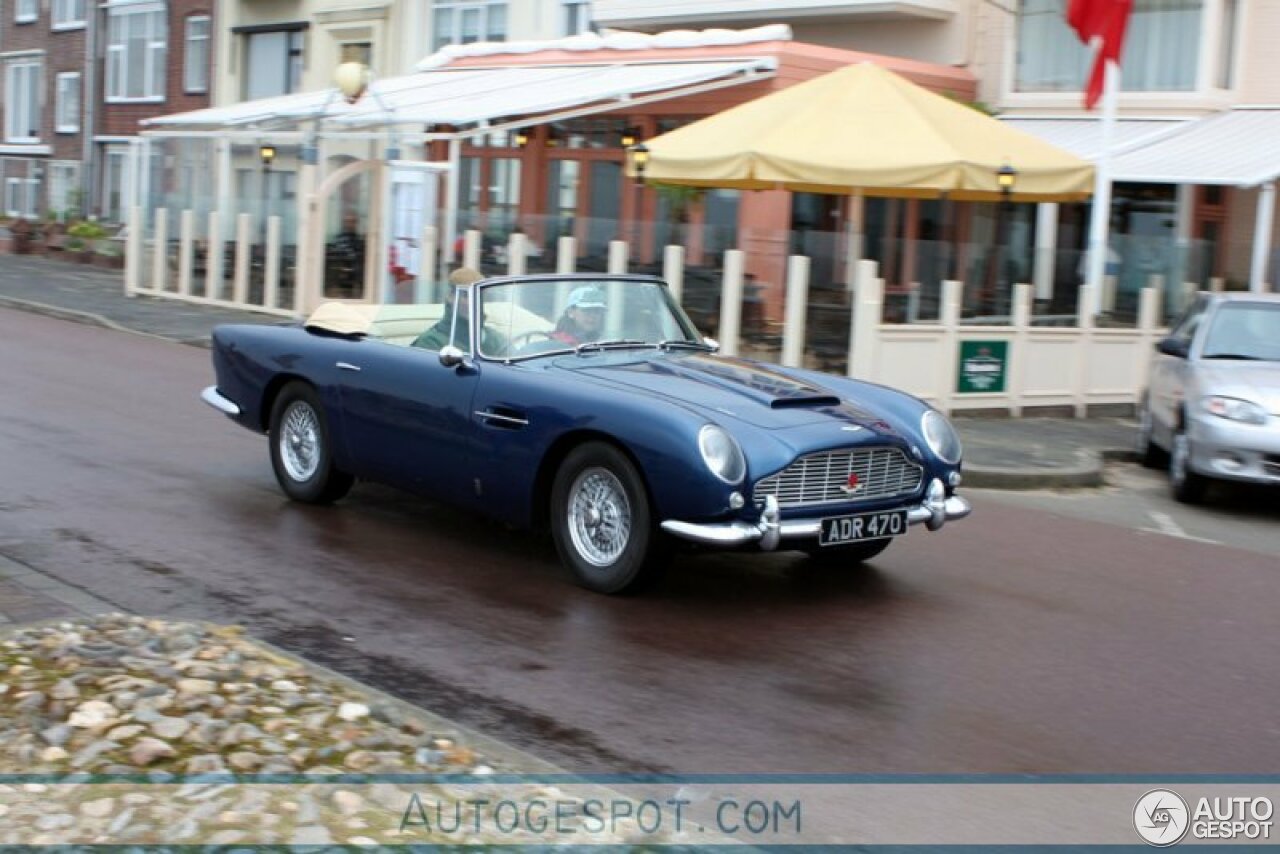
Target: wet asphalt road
[{"x": 1021, "y": 640}]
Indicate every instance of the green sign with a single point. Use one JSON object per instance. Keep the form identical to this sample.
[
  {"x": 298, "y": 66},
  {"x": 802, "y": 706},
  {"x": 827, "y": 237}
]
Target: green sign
[{"x": 983, "y": 366}]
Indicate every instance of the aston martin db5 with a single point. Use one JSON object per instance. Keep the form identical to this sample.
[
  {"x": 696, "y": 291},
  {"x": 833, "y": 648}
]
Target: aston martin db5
[{"x": 591, "y": 405}]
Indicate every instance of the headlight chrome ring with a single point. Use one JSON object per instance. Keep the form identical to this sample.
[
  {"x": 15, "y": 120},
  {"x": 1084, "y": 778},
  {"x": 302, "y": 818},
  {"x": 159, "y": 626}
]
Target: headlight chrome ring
[
  {"x": 722, "y": 454},
  {"x": 941, "y": 437}
]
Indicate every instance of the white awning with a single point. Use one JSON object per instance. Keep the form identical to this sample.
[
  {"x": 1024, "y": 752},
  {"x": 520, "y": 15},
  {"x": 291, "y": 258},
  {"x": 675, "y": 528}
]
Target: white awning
[
  {"x": 1082, "y": 135},
  {"x": 464, "y": 97},
  {"x": 1235, "y": 148}
]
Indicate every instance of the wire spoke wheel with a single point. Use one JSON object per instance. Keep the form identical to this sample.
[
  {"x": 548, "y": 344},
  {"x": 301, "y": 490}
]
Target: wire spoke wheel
[
  {"x": 599, "y": 517},
  {"x": 300, "y": 441}
]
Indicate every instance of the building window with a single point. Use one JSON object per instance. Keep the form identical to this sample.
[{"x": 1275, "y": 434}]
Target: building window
[
  {"x": 20, "y": 196},
  {"x": 66, "y": 114},
  {"x": 26, "y": 11},
  {"x": 466, "y": 22},
  {"x": 22, "y": 101},
  {"x": 137, "y": 41},
  {"x": 1161, "y": 49},
  {"x": 195, "y": 60},
  {"x": 64, "y": 188},
  {"x": 273, "y": 63},
  {"x": 68, "y": 14},
  {"x": 361, "y": 52},
  {"x": 577, "y": 17},
  {"x": 115, "y": 178}
]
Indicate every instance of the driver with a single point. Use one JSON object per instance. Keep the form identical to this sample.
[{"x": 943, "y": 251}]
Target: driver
[{"x": 583, "y": 319}]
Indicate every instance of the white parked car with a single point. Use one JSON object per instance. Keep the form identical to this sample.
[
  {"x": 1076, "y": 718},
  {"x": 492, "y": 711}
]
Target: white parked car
[{"x": 1212, "y": 403}]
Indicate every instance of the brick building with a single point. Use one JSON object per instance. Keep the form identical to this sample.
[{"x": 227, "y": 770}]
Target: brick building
[
  {"x": 43, "y": 50},
  {"x": 78, "y": 77}
]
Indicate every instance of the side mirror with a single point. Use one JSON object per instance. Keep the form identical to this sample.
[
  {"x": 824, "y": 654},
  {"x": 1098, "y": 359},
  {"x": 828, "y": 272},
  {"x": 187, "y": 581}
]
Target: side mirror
[
  {"x": 712, "y": 343},
  {"x": 1173, "y": 347},
  {"x": 451, "y": 356}
]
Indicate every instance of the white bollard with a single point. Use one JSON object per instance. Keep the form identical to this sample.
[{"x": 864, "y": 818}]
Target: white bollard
[
  {"x": 271, "y": 275},
  {"x": 472, "y": 244},
  {"x": 186, "y": 250},
  {"x": 517, "y": 254},
  {"x": 618, "y": 251},
  {"x": 133, "y": 253},
  {"x": 793, "y": 328},
  {"x": 424, "y": 289},
  {"x": 673, "y": 270},
  {"x": 240, "y": 283},
  {"x": 160, "y": 252},
  {"x": 566, "y": 254},
  {"x": 731, "y": 302},
  {"x": 213, "y": 258}
]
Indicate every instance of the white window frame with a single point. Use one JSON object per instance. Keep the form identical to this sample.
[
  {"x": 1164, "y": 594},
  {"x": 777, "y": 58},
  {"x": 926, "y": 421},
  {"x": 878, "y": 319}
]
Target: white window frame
[
  {"x": 12, "y": 113},
  {"x": 456, "y": 10},
  {"x": 156, "y": 53},
  {"x": 570, "y": 8},
  {"x": 63, "y": 80},
  {"x": 20, "y": 196},
  {"x": 187, "y": 67},
  {"x": 26, "y": 11},
  {"x": 294, "y": 57},
  {"x": 68, "y": 14}
]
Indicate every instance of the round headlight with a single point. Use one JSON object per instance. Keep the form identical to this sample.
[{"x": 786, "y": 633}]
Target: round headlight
[
  {"x": 943, "y": 439},
  {"x": 721, "y": 454}
]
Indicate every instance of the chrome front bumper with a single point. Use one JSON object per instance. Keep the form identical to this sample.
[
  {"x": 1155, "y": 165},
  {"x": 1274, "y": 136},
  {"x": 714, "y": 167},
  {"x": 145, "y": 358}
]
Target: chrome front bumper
[
  {"x": 212, "y": 397},
  {"x": 934, "y": 512}
]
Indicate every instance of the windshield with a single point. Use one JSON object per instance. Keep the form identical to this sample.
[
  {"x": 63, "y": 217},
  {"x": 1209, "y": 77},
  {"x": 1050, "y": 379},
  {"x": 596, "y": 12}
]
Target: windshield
[
  {"x": 534, "y": 318},
  {"x": 1246, "y": 331}
]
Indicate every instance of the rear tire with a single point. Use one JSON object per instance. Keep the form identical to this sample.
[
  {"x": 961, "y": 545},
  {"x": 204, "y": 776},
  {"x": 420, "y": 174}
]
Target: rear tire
[
  {"x": 1188, "y": 486},
  {"x": 601, "y": 521},
  {"x": 301, "y": 448},
  {"x": 850, "y": 555}
]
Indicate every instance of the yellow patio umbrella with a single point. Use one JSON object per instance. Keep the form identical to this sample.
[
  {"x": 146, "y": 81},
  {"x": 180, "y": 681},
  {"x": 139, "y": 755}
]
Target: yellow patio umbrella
[{"x": 863, "y": 129}]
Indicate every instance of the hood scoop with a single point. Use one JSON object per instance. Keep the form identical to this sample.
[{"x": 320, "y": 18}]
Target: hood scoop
[{"x": 805, "y": 402}]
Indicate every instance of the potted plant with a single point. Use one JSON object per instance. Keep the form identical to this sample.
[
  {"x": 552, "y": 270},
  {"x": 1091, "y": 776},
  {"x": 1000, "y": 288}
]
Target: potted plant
[{"x": 81, "y": 237}]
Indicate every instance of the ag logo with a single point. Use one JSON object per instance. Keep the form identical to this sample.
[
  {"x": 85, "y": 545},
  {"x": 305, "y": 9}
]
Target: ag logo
[{"x": 1161, "y": 818}]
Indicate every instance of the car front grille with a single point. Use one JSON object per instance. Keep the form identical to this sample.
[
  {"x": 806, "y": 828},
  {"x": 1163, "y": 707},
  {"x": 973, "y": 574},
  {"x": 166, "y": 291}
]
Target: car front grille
[{"x": 823, "y": 478}]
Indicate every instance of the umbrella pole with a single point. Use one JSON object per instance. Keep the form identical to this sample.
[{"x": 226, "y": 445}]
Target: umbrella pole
[{"x": 854, "y": 236}]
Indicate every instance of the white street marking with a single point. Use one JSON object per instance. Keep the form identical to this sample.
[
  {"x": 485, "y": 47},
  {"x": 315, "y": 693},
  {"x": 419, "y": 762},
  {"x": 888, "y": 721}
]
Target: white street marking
[{"x": 1167, "y": 526}]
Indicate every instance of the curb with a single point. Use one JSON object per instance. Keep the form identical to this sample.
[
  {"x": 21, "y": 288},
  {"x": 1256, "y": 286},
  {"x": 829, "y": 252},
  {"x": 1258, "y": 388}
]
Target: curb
[
  {"x": 1087, "y": 475},
  {"x": 90, "y": 319}
]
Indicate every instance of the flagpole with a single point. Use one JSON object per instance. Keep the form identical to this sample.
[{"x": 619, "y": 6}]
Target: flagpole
[{"x": 1100, "y": 215}]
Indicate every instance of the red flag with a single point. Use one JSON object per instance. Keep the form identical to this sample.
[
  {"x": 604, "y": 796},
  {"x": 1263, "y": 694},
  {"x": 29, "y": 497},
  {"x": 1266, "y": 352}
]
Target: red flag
[{"x": 1105, "y": 20}]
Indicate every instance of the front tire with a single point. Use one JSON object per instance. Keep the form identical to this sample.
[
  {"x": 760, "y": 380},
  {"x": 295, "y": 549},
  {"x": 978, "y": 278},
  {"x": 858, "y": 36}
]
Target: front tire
[
  {"x": 301, "y": 448},
  {"x": 1188, "y": 486},
  {"x": 1149, "y": 454},
  {"x": 601, "y": 521},
  {"x": 850, "y": 555}
]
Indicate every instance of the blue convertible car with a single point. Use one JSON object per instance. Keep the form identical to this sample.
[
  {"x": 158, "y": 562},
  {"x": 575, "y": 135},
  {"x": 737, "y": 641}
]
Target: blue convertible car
[{"x": 591, "y": 405}]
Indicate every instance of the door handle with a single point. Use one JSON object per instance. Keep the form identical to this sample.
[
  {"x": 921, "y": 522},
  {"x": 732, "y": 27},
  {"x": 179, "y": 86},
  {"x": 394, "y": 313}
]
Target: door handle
[{"x": 347, "y": 366}]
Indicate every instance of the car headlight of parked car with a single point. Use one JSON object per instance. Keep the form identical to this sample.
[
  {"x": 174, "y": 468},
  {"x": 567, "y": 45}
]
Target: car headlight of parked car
[
  {"x": 943, "y": 439},
  {"x": 721, "y": 453},
  {"x": 1235, "y": 409}
]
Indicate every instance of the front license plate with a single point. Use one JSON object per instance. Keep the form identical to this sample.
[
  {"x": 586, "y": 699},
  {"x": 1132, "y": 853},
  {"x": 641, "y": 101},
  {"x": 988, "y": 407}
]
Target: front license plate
[{"x": 839, "y": 530}]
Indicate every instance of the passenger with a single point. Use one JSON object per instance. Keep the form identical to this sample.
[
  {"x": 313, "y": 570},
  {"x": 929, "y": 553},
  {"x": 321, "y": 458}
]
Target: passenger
[
  {"x": 583, "y": 319},
  {"x": 445, "y": 330}
]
